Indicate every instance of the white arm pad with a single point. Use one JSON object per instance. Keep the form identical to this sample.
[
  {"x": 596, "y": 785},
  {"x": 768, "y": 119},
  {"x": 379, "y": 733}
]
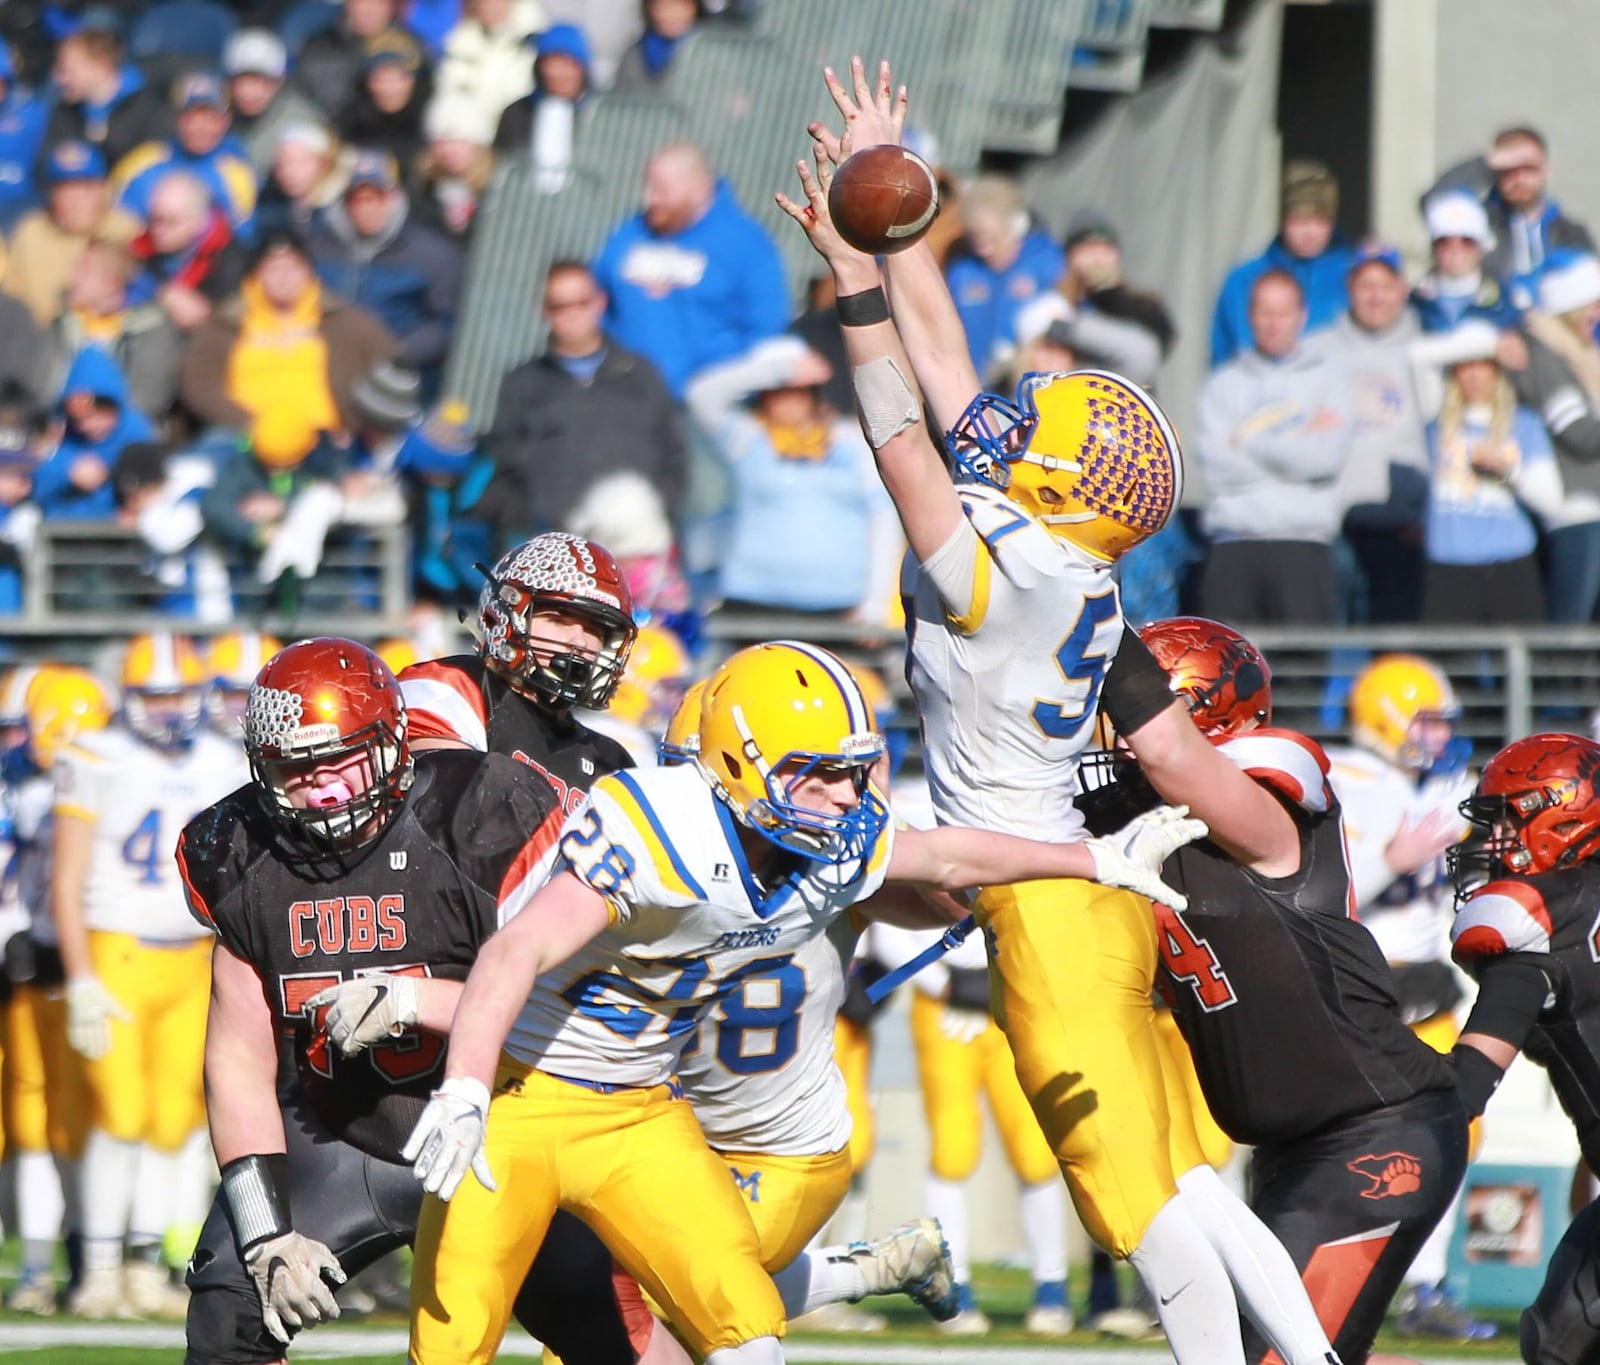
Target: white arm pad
[{"x": 886, "y": 402}]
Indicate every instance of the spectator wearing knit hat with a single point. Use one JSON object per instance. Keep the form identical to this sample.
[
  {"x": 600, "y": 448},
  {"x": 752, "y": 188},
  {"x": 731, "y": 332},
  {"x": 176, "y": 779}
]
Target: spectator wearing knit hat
[
  {"x": 1307, "y": 247},
  {"x": 486, "y": 56},
  {"x": 454, "y": 169},
  {"x": 1529, "y": 227},
  {"x": 385, "y": 111},
  {"x": 305, "y": 178},
  {"x": 47, "y": 243},
  {"x": 539, "y": 126},
  {"x": 1457, "y": 286},
  {"x": 264, "y": 104}
]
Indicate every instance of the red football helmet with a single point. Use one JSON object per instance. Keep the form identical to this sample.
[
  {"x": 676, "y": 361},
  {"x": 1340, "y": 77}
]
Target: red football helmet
[
  {"x": 567, "y": 576},
  {"x": 314, "y": 706},
  {"x": 1535, "y": 809},
  {"x": 1221, "y": 676}
]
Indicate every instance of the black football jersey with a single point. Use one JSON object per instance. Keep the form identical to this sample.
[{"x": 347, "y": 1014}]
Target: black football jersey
[
  {"x": 472, "y": 839},
  {"x": 459, "y": 698},
  {"x": 1556, "y": 917},
  {"x": 1286, "y": 1002}
]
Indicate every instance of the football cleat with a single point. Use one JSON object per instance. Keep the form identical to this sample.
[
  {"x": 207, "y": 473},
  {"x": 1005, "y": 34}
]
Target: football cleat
[
  {"x": 914, "y": 1260},
  {"x": 969, "y": 1321},
  {"x": 148, "y": 1291},
  {"x": 1430, "y": 1311},
  {"x": 99, "y": 1297},
  {"x": 34, "y": 1295},
  {"x": 1048, "y": 1320}
]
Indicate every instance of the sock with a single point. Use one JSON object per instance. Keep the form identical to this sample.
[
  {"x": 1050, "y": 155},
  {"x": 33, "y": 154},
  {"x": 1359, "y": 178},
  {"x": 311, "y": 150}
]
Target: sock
[
  {"x": 1044, "y": 1224},
  {"x": 153, "y": 1197},
  {"x": 1269, "y": 1287},
  {"x": 1431, "y": 1263},
  {"x": 1050, "y": 1294},
  {"x": 850, "y": 1222},
  {"x": 761, "y": 1351},
  {"x": 1104, "y": 1292},
  {"x": 966, "y": 1300},
  {"x": 1190, "y": 1287},
  {"x": 108, "y": 1169},
  {"x": 41, "y": 1205},
  {"x": 818, "y": 1278},
  {"x": 947, "y": 1201}
]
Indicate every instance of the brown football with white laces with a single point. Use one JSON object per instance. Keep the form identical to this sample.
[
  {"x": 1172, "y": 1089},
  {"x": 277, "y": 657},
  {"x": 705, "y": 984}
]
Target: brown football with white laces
[{"x": 883, "y": 199}]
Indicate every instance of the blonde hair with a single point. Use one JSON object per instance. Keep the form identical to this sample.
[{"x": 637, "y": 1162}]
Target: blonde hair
[{"x": 1452, "y": 415}]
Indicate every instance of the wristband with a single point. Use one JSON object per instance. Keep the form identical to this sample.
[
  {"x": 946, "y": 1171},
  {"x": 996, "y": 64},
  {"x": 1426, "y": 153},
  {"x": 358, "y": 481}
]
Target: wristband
[
  {"x": 864, "y": 309},
  {"x": 256, "y": 1192}
]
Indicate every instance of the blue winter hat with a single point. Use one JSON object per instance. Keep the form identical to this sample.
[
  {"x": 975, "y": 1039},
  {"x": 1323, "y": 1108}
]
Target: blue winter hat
[
  {"x": 73, "y": 160},
  {"x": 564, "y": 40},
  {"x": 441, "y": 445},
  {"x": 1379, "y": 253}
]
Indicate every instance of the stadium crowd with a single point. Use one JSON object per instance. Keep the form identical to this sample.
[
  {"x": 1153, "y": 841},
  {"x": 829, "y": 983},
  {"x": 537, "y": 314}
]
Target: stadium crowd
[{"x": 227, "y": 302}]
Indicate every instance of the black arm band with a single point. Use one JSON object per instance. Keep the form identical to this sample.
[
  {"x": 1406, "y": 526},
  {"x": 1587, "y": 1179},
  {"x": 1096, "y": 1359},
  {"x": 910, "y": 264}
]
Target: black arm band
[
  {"x": 969, "y": 989},
  {"x": 1511, "y": 992},
  {"x": 255, "y": 1190},
  {"x": 863, "y": 309},
  {"x": 1137, "y": 689},
  {"x": 1477, "y": 1078}
]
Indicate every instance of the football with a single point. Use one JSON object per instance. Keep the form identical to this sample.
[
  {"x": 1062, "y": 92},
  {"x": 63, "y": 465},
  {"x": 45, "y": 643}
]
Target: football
[{"x": 883, "y": 199}]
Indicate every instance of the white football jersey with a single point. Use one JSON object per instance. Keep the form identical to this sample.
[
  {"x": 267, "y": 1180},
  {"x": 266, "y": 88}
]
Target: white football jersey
[
  {"x": 1410, "y": 915},
  {"x": 28, "y": 869},
  {"x": 1007, "y": 683},
  {"x": 693, "y": 933},
  {"x": 140, "y": 798}
]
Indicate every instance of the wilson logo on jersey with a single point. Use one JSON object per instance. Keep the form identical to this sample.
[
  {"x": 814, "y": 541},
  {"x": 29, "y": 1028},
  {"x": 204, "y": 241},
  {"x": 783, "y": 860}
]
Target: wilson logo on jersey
[
  {"x": 1392, "y": 1174},
  {"x": 347, "y": 924}
]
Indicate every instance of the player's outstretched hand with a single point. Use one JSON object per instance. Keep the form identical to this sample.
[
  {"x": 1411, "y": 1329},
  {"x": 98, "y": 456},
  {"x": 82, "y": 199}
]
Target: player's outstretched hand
[
  {"x": 368, "y": 1010},
  {"x": 90, "y": 1010},
  {"x": 448, "y": 1138},
  {"x": 813, "y": 215},
  {"x": 292, "y": 1275},
  {"x": 873, "y": 117},
  {"x": 1132, "y": 857}
]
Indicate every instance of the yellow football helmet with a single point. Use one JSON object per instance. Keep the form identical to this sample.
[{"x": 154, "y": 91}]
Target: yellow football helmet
[
  {"x": 399, "y": 653},
  {"x": 163, "y": 689},
  {"x": 233, "y": 660},
  {"x": 62, "y": 703},
  {"x": 770, "y": 716},
  {"x": 1391, "y": 696},
  {"x": 681, "y": 742},
  {"x": 653, "y": 681},
  {"x": 1086, "y": 453}
]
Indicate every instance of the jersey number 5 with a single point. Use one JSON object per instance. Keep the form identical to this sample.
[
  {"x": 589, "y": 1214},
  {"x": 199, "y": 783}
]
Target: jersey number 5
[
  {"x": 1189, "y": 959},
  {"x": 1082, "y": 668}
]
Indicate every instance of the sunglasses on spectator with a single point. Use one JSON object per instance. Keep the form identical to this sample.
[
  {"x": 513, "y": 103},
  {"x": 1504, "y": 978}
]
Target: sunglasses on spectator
[{"x": 563, "y": 305}]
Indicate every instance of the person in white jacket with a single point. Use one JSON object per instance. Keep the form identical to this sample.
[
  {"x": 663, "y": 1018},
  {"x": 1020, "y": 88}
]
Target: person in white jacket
[{"x": 486, "y": 55}]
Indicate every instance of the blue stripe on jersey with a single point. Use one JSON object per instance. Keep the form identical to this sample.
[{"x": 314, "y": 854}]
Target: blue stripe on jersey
[
  {"x": 632, "y": 786},
  {"x": 764, "y": 903}
]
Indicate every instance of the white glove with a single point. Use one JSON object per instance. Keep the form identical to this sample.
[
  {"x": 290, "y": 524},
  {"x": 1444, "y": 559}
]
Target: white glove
[
  {"x": 90, "y": 1010},
  {"x": 368, "y": 1010},
  {"x": 963, "y": 1026},
  {"x": 297, "y": 543},
  {"x": 448, "y": 1137},
  {"x": 291, "y": 1273},
  {"x": 1132, "y": 857}
]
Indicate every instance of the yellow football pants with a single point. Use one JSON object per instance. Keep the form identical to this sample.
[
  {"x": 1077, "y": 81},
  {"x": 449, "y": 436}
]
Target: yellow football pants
[
  {"x": 46, "y": 1093},
  {"x": 1072, "y": 965},
  {"x": 634, "y": 1166},
  {"x": 852, "y": 1051},
  {"x": 150, "y": 1086},
  {"x": 789, "y": 1198},
  {"x": 954, "y": 1075},
  {"x": 1194, "y": 1135}
]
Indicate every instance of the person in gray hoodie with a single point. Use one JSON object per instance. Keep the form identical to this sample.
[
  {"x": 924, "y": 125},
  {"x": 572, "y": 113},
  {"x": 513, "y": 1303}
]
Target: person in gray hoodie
[
  {"x": 1274, "y": 435},
  {"x": 1386, "y": 472}
]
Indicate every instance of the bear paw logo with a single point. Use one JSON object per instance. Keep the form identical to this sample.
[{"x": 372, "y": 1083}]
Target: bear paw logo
[{"x": 1393, "y": 1174}]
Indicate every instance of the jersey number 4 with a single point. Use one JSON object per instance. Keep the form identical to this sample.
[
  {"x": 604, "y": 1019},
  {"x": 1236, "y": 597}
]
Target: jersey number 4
[
  {"x": 1188, "y": 958},
  {"x": 1082, "y": 668}
]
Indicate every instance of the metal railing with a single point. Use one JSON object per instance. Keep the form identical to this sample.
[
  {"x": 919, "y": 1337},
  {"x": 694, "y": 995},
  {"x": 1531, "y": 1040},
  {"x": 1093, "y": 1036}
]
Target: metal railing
[{"x": 89, "y": 578}]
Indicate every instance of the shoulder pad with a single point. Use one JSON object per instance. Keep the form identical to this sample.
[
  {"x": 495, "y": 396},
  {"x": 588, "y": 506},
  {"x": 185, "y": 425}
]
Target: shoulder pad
[
  {"x": 619, "y": 836},
  {"x": 1291, "y": 764},
  {"x": 212, "y": 851},
  {"x": 444, "y": 700},
  {"x": 1502, "y": 917},
  {"x": 1019, "y": 546}
]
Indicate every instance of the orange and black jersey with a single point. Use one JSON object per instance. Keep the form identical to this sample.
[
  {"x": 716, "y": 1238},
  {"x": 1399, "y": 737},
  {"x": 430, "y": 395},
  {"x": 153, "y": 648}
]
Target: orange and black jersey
[
  {"x": 1550, "y": 921},
  {"x": 472, "y": 840},
  {"x": 458, "y": 698}
]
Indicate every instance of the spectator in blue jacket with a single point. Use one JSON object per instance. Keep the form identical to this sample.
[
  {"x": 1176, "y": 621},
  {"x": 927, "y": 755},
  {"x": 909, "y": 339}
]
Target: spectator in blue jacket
[
  {"x": 692, "y": 280},
  {"x": 1000, "y": 264},
  {"x": 1307, "y": 247},
  {"x": 22, "y": 123},
  {"x": 368, "y": 248},
  {"x": 200, "y": 144},
  {"x": 98, "y": 421},
  {"x": 101, "y": 99},
  {"x": 1458, "y": 287}
]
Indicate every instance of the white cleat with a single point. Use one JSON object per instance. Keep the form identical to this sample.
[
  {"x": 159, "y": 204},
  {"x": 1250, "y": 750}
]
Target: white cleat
[
  {"x": 148, "y": 1290},
  {"x": 841, "y": 1317},
  {"x": 1129, "y": 1323},
  {"x": 1048, "y": 1320},
  {"x": 969, "y": 1322},
  {"x": 35, "y": 1295},
  {"x": 914, "y": 1259},
  {"x": 99, "y": 1297}
]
